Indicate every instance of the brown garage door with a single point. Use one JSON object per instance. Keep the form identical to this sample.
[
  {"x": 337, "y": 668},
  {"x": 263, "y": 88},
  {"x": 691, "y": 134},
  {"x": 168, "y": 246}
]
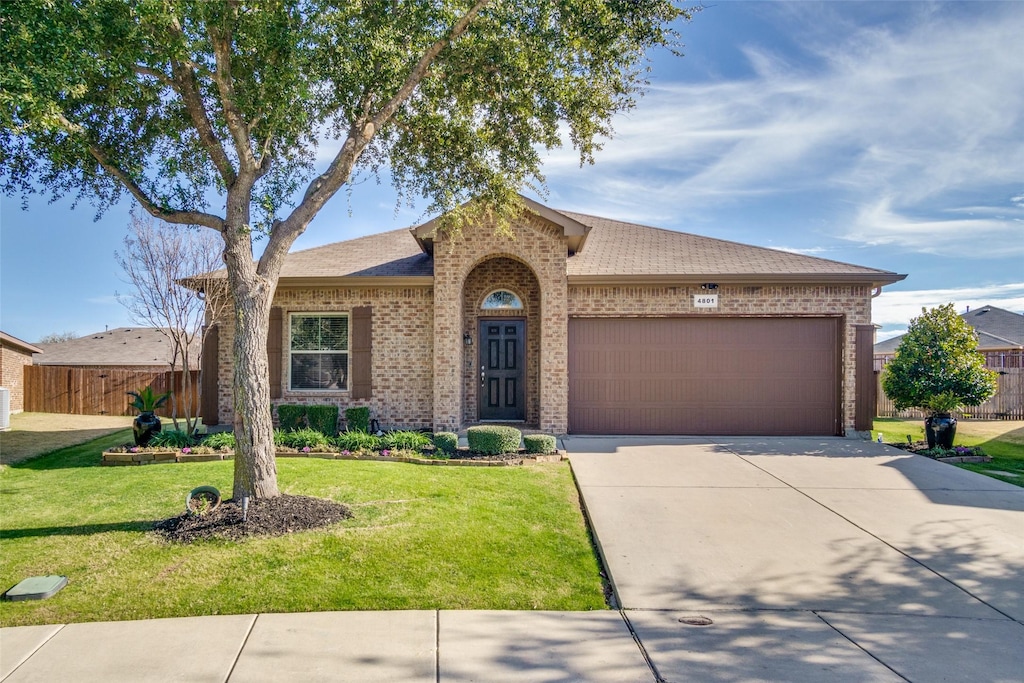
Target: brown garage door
[{"x": 725, "y": 376}]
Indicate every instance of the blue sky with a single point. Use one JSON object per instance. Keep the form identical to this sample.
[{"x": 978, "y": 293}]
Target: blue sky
[{"x": 886, "y": 134}]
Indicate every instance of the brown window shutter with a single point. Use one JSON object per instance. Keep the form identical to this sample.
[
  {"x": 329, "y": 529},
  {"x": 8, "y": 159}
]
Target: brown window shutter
[
  {"x": 361, "y": 331},
  {"x": 210, "y": 368},
  {"x": 274, "y": 335}
]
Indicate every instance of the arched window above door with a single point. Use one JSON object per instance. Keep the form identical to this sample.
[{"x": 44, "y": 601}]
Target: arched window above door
[{"x": 501, "y": 299}]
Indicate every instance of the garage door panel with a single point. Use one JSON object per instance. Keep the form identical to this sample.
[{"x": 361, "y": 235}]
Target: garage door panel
[{"x": 704, "y": 376}]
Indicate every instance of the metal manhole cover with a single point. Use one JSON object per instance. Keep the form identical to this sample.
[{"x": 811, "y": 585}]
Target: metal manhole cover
[{"x": 696, "y": 621}]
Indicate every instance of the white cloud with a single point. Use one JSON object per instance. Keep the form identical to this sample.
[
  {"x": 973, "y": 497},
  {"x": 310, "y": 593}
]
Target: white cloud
[
  {"x": 893, "y": 309},
  {"x": 893, "y": 121}
]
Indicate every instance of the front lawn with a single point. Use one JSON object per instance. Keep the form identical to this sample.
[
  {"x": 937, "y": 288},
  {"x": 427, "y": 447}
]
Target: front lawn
[
  {"x": 1001, "y": 439},
  {"x": 420, "y": 538}
]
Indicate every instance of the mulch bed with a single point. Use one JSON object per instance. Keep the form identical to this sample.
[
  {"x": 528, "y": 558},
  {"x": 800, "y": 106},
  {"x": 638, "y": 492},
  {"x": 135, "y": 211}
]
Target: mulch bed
[{"x": 269, "y": 517}]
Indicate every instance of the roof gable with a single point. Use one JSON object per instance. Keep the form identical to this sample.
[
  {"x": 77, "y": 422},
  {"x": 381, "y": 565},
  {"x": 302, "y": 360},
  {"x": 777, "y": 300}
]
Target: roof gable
[{"x": 598, "y": 250}]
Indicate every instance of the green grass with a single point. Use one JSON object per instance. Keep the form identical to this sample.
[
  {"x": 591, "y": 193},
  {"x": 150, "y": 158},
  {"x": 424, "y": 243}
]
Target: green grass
[
  {"x": 420, "y": 538},
  {"x": 1003, "y": 440}
]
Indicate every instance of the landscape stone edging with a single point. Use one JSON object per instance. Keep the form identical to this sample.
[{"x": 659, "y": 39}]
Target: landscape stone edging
[{"x": 111, "y": 458}]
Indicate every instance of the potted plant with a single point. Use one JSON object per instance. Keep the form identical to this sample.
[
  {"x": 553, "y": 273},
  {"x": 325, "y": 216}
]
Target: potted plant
[
  {"x": 146, "y": 423},
  {"x": 938, "y": 369}
]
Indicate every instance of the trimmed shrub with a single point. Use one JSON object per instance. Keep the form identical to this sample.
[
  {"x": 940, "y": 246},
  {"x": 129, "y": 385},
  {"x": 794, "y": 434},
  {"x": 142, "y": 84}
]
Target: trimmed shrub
[
  {"x": 493, "y": 440},
  {"x": 539, "y": 443},
  {"x": 405, "y": 440},
  {"x": 446, "y": 442},
  {"x": 357, "y": 419},
  {"x": 323, "y": 419},
  {"x": 357, "y": 441},
  {"x": 220, "y": 440},
  {"x": 172, "y": 438},
  {"x": 291, "y": 418},
  {"x": 301, "y": 438}
]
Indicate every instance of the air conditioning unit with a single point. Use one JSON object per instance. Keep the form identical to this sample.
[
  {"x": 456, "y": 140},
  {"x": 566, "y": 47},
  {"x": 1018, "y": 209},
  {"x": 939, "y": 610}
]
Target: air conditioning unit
[{"x": 5, "y": 408}]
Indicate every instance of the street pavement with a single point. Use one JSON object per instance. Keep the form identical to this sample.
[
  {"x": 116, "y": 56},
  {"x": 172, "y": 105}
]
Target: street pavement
[{"x": 732, "y": 559}]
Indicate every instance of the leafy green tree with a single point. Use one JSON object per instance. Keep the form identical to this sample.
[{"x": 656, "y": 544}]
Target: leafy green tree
[
  {"x": 937, "y": 366},
  {"x": 210, "y": 112}
]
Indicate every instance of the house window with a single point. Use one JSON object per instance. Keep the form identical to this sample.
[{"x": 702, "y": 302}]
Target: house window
[
  {"x": 501, "y": 299},
  {"x": 318, "y": 351}
]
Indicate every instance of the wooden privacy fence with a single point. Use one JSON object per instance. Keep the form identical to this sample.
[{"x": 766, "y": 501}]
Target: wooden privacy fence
[
  {"x": 1007, "y": 404},
  {"x": 91, "y": 391}
]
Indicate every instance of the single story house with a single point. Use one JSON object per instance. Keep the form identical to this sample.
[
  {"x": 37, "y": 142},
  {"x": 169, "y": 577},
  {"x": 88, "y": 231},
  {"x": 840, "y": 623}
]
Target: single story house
[
  {"x": 1000, "y": 337},
  {"x": 127, "y": 348},
  {"x": 15, "y": 354},
  {"x": 575, "y": 324}
]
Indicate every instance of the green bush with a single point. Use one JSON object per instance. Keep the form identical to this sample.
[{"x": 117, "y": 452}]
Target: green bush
[
  {"x": 357, "y": 441},
  {"x": 446, "y": 442},
  {"x": 291, "y": 418},
  {"x": 357, "y": 419},
  {"x": 301, "y": 438},
  {"x": 937, "y": 366},
  {"x": 493, "y": 440},
  {"x": 220, "y": 440},
  {"x": 405, "y": 440},
  {"x": 172, "y": 438},
  {"x": 539, "y": 443},
  {"x": 323, "y": 419}
]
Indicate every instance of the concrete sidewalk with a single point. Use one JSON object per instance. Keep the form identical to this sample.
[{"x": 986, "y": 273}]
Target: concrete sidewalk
[{"x": 363, "y": 647}]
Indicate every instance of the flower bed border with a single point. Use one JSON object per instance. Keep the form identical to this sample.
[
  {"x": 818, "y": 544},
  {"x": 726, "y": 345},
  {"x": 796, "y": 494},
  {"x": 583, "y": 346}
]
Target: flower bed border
[{"x": 116, "y": 459}]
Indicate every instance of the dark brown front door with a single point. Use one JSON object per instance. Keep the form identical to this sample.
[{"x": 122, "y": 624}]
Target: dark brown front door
[{"x": 502, "y": 357}]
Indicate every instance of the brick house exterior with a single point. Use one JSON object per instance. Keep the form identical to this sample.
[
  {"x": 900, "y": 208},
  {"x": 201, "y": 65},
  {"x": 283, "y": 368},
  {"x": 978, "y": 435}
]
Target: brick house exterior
[
  {"x": 15, "y": 354},
  {"x": 438, "y": 316}
]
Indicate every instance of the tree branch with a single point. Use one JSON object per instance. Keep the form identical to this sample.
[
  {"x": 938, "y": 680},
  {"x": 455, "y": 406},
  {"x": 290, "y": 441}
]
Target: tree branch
[
  {"x": 221, "y": 42},
  {"x": 361, "y": 132},
  {"x": 188, "y": 88},
  {"x": 169, "y": 215}
]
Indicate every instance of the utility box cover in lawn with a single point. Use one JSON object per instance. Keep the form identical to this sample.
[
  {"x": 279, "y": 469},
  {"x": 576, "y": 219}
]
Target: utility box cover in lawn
[{"x": 36, "y": 588}]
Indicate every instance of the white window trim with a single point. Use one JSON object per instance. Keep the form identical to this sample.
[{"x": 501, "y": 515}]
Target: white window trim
[{"x": 348, "y": 352}]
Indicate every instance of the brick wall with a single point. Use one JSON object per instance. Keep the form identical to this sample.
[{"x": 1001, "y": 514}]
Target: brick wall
[
  {"x": 402, "y": 374},
  {"x": 540, "y": 247},
  {"x": 851, "y": 302},
  {"x": 12, "y": 364}
]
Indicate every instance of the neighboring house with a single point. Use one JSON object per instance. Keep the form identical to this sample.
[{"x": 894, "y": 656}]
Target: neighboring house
[
  {"x": 1000, "y": 337},
  {"x": 577, "y": 324},
  {"x": 129, "y": 348},
  {"x": 15, "y": 354}
]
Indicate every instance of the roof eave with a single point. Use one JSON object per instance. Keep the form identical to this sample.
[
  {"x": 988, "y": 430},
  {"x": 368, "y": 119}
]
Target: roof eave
[{"x": 873, "y": 279}]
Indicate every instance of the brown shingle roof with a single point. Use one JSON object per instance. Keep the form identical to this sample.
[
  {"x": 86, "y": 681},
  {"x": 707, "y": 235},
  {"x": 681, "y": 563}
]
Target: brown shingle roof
[
  {"x": 612, "y": 250},
  {"x": 997, "y": 328},
  {"x": 124, "y": 346},
  {"x": 388, "y": 254},
  {"x": 615, "y": 248}
]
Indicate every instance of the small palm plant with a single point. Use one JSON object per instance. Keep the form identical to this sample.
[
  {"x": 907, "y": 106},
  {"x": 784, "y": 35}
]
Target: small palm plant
[
  {"x": 147, "y": 400},
  {"x": 146, "y": 423}
]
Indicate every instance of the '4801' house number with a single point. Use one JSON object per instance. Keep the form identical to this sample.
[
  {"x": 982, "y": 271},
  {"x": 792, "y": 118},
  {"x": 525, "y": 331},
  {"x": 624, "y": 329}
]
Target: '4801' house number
[{"x": 705, "y": 300}]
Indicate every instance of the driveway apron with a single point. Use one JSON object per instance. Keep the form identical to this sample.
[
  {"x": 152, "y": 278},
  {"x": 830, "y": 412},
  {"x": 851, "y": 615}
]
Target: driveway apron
[{"x": 826, "y": 553}]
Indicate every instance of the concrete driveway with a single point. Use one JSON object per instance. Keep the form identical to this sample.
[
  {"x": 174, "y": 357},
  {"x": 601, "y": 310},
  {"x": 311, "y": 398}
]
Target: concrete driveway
[{"x": 812, "y": 558}]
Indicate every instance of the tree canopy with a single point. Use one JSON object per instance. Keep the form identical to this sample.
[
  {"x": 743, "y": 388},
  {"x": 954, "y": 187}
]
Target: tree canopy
[
  {"x": 937, "y": 366},
  {"x": 212, "y": 112}
]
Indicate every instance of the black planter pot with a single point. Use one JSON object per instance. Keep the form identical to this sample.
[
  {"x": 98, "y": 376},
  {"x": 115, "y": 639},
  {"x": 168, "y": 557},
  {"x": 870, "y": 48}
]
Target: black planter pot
[
  {"x": 145, "y": 426},
  {"x": 940, "y": 430}
]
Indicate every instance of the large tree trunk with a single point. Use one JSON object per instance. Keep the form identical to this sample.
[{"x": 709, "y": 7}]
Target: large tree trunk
[{"x": 255, "y": 467}]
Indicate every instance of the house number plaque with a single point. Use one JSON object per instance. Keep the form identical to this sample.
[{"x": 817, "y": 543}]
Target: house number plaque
[{"x": 705, "y": 300}]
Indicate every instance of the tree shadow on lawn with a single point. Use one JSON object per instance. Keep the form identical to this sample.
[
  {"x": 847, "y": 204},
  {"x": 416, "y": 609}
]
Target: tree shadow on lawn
[
  {"x": 88, "y": 454},
  {"x": 83, "y": 530}
]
